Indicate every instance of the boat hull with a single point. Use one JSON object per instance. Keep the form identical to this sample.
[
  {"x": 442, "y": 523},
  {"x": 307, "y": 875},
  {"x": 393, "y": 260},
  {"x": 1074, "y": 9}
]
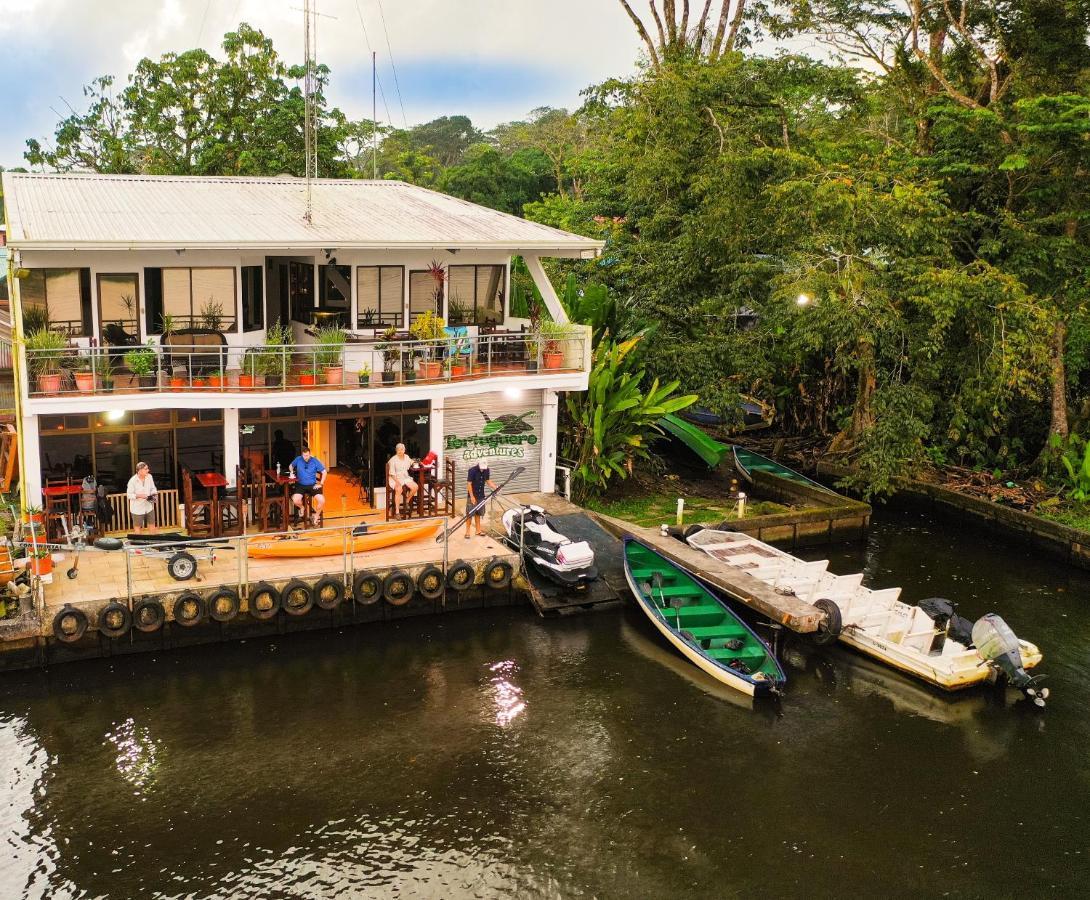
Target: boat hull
[
  {"x": 333, "y": 544},
  {"x": 716, "y": 670}
]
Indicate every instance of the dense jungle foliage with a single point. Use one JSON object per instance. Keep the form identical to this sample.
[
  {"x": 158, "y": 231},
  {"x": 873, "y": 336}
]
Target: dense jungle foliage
[{"x": 890, "y": 241}]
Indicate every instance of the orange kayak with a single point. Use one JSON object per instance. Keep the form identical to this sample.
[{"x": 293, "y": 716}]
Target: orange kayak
[{"x": 332, "y": 544}]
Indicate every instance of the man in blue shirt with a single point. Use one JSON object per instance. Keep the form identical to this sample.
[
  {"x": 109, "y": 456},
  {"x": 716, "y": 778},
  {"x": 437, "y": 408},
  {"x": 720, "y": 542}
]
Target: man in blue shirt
[
  {"x": 309, "y": 475},
  {"x": 477, "y": 479}
]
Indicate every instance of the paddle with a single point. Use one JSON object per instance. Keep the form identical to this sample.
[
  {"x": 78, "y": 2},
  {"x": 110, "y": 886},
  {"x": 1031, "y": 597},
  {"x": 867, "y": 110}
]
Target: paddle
[{"x": 478, "y": 506}]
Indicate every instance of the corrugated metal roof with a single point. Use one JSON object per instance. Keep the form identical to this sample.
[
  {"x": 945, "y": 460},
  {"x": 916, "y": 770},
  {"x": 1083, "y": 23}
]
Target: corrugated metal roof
[{"x": 118, "y": 211}]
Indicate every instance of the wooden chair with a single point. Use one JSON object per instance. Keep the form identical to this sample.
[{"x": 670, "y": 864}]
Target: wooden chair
[
  {"x": 198, "y": 513},
  {"x": 406, "y": 505},
  {"x": 231, "y": 514},
  {"x": 259, "y": 497},
  {"x": 57, "y": 510}
]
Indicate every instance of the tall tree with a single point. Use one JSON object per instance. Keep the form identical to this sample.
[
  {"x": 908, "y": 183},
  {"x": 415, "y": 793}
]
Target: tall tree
[{"x": 678, "y": 34}]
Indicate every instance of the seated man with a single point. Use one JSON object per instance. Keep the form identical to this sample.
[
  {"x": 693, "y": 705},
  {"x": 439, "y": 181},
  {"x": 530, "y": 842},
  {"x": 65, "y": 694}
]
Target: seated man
[
  {"x": 309, "y": 475},
  {"x": 398, "y": 477}
]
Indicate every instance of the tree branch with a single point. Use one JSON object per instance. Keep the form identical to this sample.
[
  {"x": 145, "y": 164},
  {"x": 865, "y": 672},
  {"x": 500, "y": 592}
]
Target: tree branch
[
  {"x": 642, "y": 31},
  {"x": 702, "y": 26},
  {"x": 720, "y": 30},
  {"x": 683, "y": 29},
  {"x": 669, "y": 12}
]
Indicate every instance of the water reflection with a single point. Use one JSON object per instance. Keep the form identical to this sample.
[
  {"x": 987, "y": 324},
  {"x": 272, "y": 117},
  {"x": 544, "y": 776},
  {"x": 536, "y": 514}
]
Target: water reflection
[
  {"x": 136, "y": 754},
  {"x": 506, "y": 695}
]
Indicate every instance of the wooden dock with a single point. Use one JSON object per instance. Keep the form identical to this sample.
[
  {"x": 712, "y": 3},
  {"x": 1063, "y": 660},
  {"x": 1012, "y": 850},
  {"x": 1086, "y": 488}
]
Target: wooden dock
[{"x": 788, "y": 610}]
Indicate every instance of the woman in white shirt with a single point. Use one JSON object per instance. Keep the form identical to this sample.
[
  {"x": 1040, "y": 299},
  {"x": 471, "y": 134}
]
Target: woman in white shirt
[{"x": 141, "y": 493}]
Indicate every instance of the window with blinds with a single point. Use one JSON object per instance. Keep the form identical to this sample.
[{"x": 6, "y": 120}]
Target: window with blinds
[
  {"x": 63, "y": 297},
  {"x": 475, "y": 294},
  {"x": 117, "y": 307},
  {"x": 422, "y": 295},
  {"x": 193, "y": 298},
  {"x": 380, "y": 296}
]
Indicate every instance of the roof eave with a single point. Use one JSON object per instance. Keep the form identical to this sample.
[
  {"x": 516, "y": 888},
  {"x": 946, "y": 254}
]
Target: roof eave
[{"x": 547, "y": 248}]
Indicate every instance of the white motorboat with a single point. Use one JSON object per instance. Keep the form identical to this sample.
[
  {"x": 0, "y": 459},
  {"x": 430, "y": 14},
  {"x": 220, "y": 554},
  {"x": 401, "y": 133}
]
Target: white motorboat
[{"x": 929, "y": 641}]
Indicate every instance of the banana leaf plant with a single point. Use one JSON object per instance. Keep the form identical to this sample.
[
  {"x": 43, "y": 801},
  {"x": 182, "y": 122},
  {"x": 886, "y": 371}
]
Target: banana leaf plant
[{"x": 612, "y": 424}]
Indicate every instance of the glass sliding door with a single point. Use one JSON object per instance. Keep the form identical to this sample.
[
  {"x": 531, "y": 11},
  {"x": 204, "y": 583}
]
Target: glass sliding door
[{"x": 117, "y": 309}]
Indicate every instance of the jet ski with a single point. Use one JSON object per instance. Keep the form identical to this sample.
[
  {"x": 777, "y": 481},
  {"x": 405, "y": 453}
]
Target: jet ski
[{"x": 568, "y": 563}]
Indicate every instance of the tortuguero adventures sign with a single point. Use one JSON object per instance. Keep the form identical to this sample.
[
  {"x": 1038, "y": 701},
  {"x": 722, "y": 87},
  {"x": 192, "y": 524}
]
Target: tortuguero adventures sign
[{"x": 508, "y": 435}]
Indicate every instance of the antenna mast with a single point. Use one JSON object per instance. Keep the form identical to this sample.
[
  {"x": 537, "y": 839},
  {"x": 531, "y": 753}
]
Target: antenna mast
[
  {"x": 374, "y": 116},
  {"x": 310, "y": 113}
]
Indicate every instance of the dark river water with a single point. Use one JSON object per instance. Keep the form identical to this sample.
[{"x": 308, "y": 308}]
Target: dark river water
[{"x": 493, "y": 754}]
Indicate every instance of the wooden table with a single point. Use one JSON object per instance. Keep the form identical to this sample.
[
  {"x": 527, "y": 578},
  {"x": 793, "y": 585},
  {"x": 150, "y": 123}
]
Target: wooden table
[
  {"x": 287, "y": 483},
  {"x": 213, "y": 481}
]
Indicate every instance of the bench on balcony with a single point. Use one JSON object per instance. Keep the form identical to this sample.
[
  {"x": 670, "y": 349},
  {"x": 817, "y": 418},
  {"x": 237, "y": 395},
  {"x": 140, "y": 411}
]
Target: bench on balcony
[{"x": 198, "y": 350}]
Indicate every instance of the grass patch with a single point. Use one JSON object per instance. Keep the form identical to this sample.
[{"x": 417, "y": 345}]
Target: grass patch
[
  {"x": 1077, "y": 515},
  {"x": 656, "y": 509}
]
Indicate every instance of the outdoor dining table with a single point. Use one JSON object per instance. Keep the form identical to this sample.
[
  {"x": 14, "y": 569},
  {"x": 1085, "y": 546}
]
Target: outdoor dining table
[
  {"x": 213, "y": 481},
  {"x": 286, "y": 482}
]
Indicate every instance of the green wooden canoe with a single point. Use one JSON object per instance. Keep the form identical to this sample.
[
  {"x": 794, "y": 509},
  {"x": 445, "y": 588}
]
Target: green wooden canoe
[
  {"x": 746, "y": 461},
  {"x": 699, "y": 624}
]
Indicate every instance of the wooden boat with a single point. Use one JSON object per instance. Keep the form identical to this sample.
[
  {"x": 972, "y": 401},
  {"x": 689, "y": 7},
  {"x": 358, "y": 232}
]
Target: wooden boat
[
  {"x": 699, "y": 624},
  {"x": 331, "y": 543},
  {"x": 756, "y": 415},
  {"x": 749, "y": 461},
  {"x": 873, "y": 622}
]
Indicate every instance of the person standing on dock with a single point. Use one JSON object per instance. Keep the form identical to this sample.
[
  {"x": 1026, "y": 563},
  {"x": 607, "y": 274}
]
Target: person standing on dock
[
  {"x": 141, "y": 494},
  {"x": 478, "y": 478},
  {"x": 309, "y": 476}
]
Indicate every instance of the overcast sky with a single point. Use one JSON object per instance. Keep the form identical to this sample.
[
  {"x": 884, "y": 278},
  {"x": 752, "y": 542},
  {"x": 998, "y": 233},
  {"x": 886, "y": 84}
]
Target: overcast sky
[{"x": 493, "y": 60}]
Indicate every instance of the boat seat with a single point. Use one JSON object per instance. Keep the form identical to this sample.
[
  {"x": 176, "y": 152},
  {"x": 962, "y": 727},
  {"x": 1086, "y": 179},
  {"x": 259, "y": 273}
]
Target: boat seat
[
  {"x": 679, "y": 590},
  {"x": 712, "y": 632},
  {"x": 645, "y": 574},
  {"x": 696, "y": 614},
  {"x": 746, "y": 653}
]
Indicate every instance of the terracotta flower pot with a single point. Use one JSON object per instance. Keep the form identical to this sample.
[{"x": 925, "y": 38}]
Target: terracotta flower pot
[
  {"x": 85, "y": 381},
  {"x": 245, "y": 381},
  {"x": 457, "y": 371},
  {"x": 49, "y": 384},
  {"x": 199, "y": 383},
  {"x": 551, "y": 359},
  {"x": 306, "y": 379},
  {"x": 217, "y": 381},
  {"x": 334, "y": 375},
  {"x": 430, "y": 370},
  {"x": 177, "y": 382},
  {"x": 41, "y": 565}
]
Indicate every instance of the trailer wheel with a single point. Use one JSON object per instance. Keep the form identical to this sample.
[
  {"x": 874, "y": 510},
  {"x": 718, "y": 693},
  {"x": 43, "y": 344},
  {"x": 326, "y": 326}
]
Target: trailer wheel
[
  {"x": 498, "y": 573},
  {"x": 298, "y": 598},
  {"x": 830, "y": 627},
  {"x": 70, "y": 624},
  {"x": 329, "y": 592},
  {"x": 148, "y": 616},
  {"x": 189, "y": 609},
  {"x": 108, "y": 543},
  {"x": 114, "y": 620},
  {"x": 182, "y": 566},
  {"x": 223, "y": 606},
  {"x": 430, "y": 583},
  {"x": 460, "y": 576},
  {"x": 398, "y": 588},
  {"x": 264, "y": 601},
  {"x": 366, "y": 589}
]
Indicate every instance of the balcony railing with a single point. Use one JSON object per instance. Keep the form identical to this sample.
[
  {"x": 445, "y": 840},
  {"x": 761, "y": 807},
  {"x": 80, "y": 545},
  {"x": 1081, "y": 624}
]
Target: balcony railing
[{"x": 77, "y": 371}]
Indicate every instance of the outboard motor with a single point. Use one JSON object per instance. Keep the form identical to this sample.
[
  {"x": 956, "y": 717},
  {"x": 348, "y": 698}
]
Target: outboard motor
[{"x": 996, "y": 642}]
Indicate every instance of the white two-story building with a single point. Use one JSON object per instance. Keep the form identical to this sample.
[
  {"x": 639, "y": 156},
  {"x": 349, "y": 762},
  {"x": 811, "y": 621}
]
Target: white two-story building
[{"x": 110, "y": 261}]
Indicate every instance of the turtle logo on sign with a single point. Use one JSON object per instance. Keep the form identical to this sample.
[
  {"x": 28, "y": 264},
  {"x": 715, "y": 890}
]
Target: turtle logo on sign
[{"x": 506, "y": 424}]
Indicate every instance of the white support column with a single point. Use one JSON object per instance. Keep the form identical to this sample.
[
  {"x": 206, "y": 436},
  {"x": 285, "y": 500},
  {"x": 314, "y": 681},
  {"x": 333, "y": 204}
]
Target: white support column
[
  {"x": 552, "y": 302},
  {"x": 231, "y": 454},
  {"x": 549, "y": 409},
  {"x": 32, "y": 471},
  {"x": 435, "y": 432}
]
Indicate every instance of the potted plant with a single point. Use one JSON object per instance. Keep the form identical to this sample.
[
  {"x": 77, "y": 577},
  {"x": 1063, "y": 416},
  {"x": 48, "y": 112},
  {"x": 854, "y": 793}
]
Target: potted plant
[
  {"x": 552, "y": 334},
  {"x": 45, "y": 350},
  {"x": 364, "y": 375},
  {"x": 140, "y": 361},
  {"x": 367, "y": 318},
  {"x": 428, "y": 329},
  {"x": 177, "y": 379},
  {"x": 211, "y": 316},
  {"x": 104, "y": 370},
  {"x": 275, "y": 356},
  {"x": 33, "y": 515},
  {"x": 329, "y": 357},
  {"x": 84, "y": 374},
  {"x": 439, "y": 276},
  {"x": 391, "y": 355},
  {"x": 457, "y": 311},
  {"x": 41, "y": 561},
  {"x": 253, "y": 369},
  {"x": 217, "y": 379}
]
